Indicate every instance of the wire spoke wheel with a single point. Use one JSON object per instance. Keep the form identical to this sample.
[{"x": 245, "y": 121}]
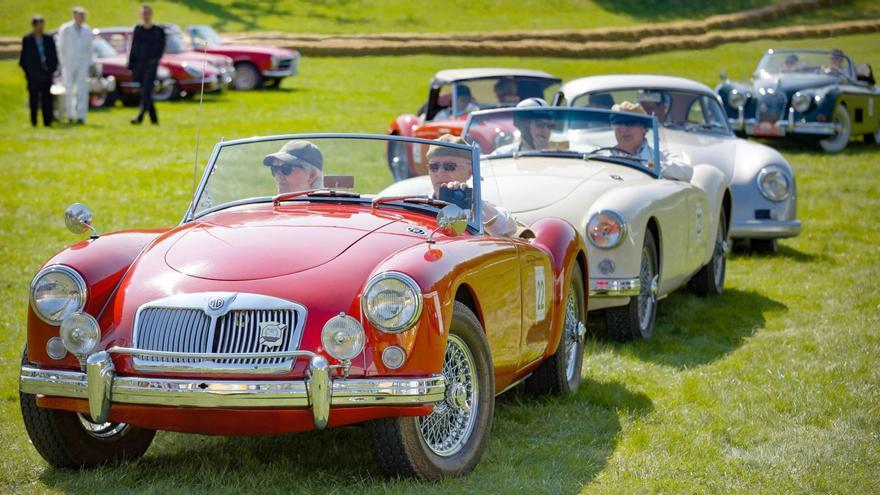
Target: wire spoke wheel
[
  {"x": 397, "y": 160},
  {"x": 648, "y": 292},
  {"x": 448, "y": 428},
  {"x": 101, "y": 431},
  {"x": 574, "y": 334}
]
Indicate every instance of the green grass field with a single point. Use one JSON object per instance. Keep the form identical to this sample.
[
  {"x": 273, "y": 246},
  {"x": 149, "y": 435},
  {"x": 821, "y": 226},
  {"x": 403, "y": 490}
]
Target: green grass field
[{"x": 772, "y": 387}]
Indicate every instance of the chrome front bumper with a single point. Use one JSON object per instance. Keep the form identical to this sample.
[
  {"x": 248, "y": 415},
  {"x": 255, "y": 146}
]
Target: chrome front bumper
[
  {"x": 751, "y": 127},
  {"x": 765, "y": 229},
  {"x": 102, "y": 387},
  {"x": 615, "y": 287}
]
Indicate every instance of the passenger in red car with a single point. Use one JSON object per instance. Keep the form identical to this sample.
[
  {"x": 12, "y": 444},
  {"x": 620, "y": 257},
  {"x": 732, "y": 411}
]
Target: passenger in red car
[{"x": 297, "y": 166}]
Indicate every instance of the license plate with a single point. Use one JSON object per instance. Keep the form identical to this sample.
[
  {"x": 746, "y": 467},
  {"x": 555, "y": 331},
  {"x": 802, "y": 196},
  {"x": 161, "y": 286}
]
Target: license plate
[{"x": 767, "y": 129}]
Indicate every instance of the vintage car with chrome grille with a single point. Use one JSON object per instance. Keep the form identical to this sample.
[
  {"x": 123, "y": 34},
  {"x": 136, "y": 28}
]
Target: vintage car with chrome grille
[
  {"x": 254, "y": 65},
  {"x": 694, "y": 124},
  {"x": 286, "y": 301},
  {"x": 817, "y": 94},
  {"x": 452, "y": 95},
  {"x": 647, "y": 235}
]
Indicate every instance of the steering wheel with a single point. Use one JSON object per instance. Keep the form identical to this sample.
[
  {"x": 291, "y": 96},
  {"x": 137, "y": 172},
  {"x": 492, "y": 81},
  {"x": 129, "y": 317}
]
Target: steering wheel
[{"x": 615, "y": 148}]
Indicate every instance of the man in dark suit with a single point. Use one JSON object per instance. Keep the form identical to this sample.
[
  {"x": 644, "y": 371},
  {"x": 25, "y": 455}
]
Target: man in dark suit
[
  {"x": 147, "y": 47},
  {"x": 39, "y": 60}
]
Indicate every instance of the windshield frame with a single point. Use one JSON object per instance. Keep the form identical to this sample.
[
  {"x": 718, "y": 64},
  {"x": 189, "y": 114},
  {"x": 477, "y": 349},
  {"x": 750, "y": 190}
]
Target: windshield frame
[
  {"x": 850, "y": 73},
  {"x": 457, "y": 112},
  {"x": 620, "y": 160},
  {"x": 475, "y": 222},
  {"x": 213, "y": 40}
]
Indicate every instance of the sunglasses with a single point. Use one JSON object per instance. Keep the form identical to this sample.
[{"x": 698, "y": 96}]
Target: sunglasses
[
  {"x": 447, "y": 166},
  {"x": 542, "y": 125},
  {"x": 284, "y": 169}
]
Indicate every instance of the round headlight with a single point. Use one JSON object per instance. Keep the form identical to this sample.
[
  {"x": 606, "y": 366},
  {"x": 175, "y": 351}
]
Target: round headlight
[
  {"x": 800, "y": 102},
  {"x": 162, "y": 72},
  {"x": 392, "y": 302},
  {"x": 606, "y": 229},
  {"x": 80, "y": 333},
  {"x": 736, "y": 99},
  {"x": 774, "y": 184},
  {"x": 57, "y": 292},
  {"x": 343, "y": 337}
]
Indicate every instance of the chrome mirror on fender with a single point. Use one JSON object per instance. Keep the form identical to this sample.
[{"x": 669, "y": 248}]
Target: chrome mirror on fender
[
  {"x": 451, "y": 220},
  {"x": 78, "y": 219},
  {"x": 723, "y": 76}
]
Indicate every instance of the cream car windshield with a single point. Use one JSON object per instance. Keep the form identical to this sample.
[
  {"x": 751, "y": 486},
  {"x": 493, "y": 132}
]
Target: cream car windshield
[
  {"x": 620, "y": 137},
  {"x": 327, "y": 168},
  {"x": 806, "y": 62}
]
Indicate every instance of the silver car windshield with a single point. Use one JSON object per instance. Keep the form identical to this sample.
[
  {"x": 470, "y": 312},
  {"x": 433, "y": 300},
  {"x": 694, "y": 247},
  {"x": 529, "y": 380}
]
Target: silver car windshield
[
  {"x": 775, "y": 63},
  {"x": 622, "y": 137}
]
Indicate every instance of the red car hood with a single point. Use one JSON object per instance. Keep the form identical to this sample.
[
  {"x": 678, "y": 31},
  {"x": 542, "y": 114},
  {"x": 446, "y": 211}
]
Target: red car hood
[
  {"x": 251, "y": 50},
  {"x": 190, "y": 57}
]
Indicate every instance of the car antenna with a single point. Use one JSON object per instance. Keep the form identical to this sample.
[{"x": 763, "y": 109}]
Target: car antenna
[{"x": 199, "y": 122}]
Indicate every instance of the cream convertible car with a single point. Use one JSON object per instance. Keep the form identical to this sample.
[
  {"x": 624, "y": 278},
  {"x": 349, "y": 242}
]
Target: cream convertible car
[{"x": 647, "y": 235}]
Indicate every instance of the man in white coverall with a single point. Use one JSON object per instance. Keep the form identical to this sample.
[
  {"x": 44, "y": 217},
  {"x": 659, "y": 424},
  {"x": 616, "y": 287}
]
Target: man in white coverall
[{"x": 75, "y": 56}]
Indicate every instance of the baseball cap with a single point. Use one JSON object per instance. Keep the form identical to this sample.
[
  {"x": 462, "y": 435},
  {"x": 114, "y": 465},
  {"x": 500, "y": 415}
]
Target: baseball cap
[
  {"x": 629, "y": 107},
  {"x": 438, "y": 151},
  {"x": 296, "y": 152}
]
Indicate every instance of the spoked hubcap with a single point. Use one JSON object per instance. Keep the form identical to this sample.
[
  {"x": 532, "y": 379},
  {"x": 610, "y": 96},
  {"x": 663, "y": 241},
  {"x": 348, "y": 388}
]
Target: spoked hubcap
[
  {"x": 574, "y": 334},
  {"x": 448, "y": 428},
  {"x": 648, "y": 291},
  {"x": 399, "y": 165},
  {"x": 101, "y": 431},
  {"x": 718, "y": 260}
]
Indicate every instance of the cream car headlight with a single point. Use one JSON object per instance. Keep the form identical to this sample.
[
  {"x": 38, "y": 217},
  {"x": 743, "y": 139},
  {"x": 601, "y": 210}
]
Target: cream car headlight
[
  {"x": 80, "y": 333},
  {"x": 57, "y": 291},
  {"x": 343, "y": 337},
  {"x": 392, "y": 302},
  {"x": 606, "y": 229},
  {"x": 800, "y": 102},
  {"x": 162, "y": 72},
  {"x": 736, "y": 99},
  {"x": 774, "y": 184}
]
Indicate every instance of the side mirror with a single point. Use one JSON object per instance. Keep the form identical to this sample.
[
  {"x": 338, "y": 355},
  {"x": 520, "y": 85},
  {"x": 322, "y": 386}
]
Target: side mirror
[
  {"x": 452, "y": 220},
  {"x": 78, "y": 219},
  {"x": 723, "y": 75}
]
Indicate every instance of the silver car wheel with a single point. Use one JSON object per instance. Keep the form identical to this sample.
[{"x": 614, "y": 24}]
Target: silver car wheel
[
  {"x": 648, "y": 291},
  {"x": 448, "y": 428},
  {"x": 719, "y": 261},
  {"x": 101, "y": 431},
  {"x": 397, "y": 161},
  {"x": 838, "y": 142},
  {"x": 574, "y": 333}
]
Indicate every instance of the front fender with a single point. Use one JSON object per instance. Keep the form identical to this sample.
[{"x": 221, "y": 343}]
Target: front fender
[{"x": 714, "y": 183}]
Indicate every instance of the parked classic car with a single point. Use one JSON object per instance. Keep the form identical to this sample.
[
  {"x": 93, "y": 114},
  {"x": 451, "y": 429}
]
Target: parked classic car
[
  {"x": 101, "y": 86},
  {"x": 272, "y": 308},
  {"x": 694, "y": 124},
  {"x": 647, "y": 235},
  {"x": 452, "y": 95},
  {"x": 254, "y": 65},
  {"x": 187, "y": 68},
  {"x": 115, "y": 65},
  {"x": 814, "y": 93}
]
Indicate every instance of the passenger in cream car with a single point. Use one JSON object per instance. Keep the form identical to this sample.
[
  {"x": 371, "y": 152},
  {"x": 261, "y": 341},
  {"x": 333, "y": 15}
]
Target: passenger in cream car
[
  {"x": 630, "y": 135},
  {"x": 534, "y": 128}
]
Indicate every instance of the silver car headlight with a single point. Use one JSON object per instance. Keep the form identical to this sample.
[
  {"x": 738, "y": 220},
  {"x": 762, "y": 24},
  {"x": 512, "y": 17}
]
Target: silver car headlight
[
  {"x": 57, "y": 292},
  {"x": 343, "y": 337},
  {"x": 774, "y": 184},
  {"x": 606, "y": 229},
  {"x": 192, "y": 71},
  {"x": 80, "y": 333},
  {"x": 274, "y": 61},
  {"x": 392, "y": 302},
  {"x": 736, "y": 99},
  {"x": 800, "y": 102}
]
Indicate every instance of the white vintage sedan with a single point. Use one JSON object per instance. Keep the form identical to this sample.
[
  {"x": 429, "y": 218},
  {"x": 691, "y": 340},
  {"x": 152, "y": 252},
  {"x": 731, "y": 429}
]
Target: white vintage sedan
[
  {"x": 694, "y": 124},
  {"x": 647, "y": 235}
]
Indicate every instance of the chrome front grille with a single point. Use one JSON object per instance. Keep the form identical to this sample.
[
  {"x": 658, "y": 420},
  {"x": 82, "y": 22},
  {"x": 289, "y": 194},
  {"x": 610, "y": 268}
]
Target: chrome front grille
[
  {"x": 187, "y": 324},
  {"x": 284, "y": 63}
]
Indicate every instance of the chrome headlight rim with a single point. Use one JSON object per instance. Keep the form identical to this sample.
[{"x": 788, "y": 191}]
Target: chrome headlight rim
[
  {"x": 801, "y": 102},
  {"x": 617, "y": 217},
  {"x": 764, "y": 173},
  {"x": 79, "y": 281},
  {"x": 412, "y": 285},
  {"x": 360, "y": 337},
  {"x": 83, "y": 322},
  {"x": 736, "y": 99}
]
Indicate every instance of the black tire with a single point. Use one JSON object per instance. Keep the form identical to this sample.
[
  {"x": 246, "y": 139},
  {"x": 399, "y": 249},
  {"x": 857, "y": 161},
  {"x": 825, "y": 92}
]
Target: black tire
[
  {"x": 838, "y": 142},
  {"x": 167, "y": 93},
  {"x": 636, "y": 319},
  {"x": 246, "y": 77},
  {"x": 105, "y": 100},
  {"x": 398, "y": 162},
  {"x": 399, "y": 444},
  {"x": 561, "y": 374},
  {"x": 128, "y": 100},
  {"x": 273, "y": 82},
  {"x": 764, "y": 246},
  {"x": 709, "y": 281},
  {"x": 63, "y": 441}
]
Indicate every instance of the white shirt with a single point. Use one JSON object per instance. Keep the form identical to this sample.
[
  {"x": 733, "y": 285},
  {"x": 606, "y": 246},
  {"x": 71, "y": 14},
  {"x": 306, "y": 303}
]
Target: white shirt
[
  {"x": 673, "y": 166},
  {"x": 74, "y": 45}
]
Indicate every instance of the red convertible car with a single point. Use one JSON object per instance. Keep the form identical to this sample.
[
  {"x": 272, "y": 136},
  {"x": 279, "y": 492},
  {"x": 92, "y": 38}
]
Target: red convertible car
[
  {"x": 254, "y": 65},
  {"x": 286, "y": 301},
  {"x": 452, "y": 96}
]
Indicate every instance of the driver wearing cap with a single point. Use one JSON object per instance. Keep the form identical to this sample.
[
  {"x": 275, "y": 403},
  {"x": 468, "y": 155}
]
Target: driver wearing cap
[
  {"x": 654, "y": 102},
  {"x": 630, "y": 134},
  {"x": 297, "y": 166},
  {"x": 451, "y": 168}
]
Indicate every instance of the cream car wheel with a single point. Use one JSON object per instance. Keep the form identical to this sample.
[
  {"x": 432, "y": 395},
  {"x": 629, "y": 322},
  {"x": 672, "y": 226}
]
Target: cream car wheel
[{"x": 838, "y": 142}]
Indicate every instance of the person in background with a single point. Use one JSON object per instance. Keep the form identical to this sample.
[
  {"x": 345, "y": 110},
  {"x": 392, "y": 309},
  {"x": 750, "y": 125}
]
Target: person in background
[
  {"x": 39, "y": 61},
  {"x": 464, "y": 104},
  {"x": 147, "y": 46},
  {"x": 297, "y": 166},
  {"x": 75, "y": 56},
  {"x": 630, "y": 135},
  {"x": 506, "y": 91}
]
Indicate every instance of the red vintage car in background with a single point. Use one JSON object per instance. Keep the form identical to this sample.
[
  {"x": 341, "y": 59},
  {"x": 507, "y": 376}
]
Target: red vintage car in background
[
  {"x": 254, "y": 65},
  {"x": 187, "y": 68},
  {"x": 113, "y": 64},
  {"x": 285, "y": 301},
  {"x": 452, "y": 95}
]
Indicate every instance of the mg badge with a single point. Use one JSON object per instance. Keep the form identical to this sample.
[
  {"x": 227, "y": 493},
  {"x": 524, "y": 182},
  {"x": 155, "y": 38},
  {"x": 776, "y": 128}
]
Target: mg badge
[
  {"x": 217, "y": 303},
  {"x": 271, "y": 333}
]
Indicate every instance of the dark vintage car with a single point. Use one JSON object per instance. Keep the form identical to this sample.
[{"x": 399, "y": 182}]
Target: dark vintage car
[
  {"x": 452, "y": 95},
  {"x": 289, "y": 299},
  {"x": 812, "y": 93}
]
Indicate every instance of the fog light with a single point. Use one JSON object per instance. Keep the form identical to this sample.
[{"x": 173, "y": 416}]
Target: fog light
[
  {"x": 343, "y": 337},
  {"x": 80, "y": 333},
  {"x": 393, "y": 357},
  {"x": 55, "y": 348}
]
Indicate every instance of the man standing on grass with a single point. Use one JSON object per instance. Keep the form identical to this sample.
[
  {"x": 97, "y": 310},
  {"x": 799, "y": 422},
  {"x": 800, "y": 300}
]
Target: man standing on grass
[
  {"x": 39, "y": 61},
  {"x": 147, "y": 47},
  {"x": 75, "y": 47}
]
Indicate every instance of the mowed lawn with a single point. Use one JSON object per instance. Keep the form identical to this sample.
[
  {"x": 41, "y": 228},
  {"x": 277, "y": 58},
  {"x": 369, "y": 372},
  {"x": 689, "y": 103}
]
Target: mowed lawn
[{"x": 772, "y": 387}]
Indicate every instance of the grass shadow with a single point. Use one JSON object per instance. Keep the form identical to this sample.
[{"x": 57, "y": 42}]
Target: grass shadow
[
  {"x": 784, "y": 251},
  {"x": 547, "y": 445},
  {"x": 676, "y": 9},
  {"x": 693, "y": 331},
  {"x": 245, "y": 14}
]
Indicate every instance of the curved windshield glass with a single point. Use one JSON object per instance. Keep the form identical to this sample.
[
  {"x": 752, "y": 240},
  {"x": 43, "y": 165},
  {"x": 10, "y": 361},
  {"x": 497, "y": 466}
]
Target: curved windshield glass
[
  {"x": 102, "y": 49},
  {"x": 804, "y": 62},
  {"x": 174, "y": 42},
  {"x": 622, "y": 137},
  {"x": 491, "y": 92},
  {"x": 203, "y": 36},
  {"x": 345, "y": 168}
]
